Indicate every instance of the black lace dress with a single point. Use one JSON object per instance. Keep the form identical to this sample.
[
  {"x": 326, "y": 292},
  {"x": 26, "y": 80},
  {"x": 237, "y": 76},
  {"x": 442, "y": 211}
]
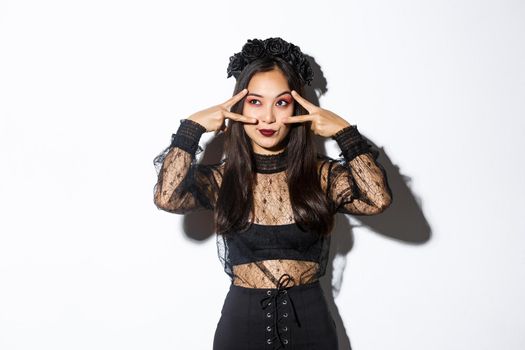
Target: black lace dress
[{"x": 274, "y": 253}]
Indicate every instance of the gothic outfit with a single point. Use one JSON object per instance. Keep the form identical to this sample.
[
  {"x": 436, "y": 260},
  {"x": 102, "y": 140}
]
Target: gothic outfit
[{"x": 275, "y": 300}]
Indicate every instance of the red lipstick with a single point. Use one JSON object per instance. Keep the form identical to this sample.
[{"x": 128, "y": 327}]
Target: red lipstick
[{"x": 267, "y": 132}]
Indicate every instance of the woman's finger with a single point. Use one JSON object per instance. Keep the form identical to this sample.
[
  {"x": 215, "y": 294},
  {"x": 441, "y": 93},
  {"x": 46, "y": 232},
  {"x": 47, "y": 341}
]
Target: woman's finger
[
  {"x": 234, "y": 99},
  {"x": 310, "y": 107},
  {"x": 299, "y": 118},
  {"x": 239, "y": 117}
]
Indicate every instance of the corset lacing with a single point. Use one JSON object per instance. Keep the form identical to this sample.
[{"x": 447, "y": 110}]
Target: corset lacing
[{"x": 277, "y": 297}]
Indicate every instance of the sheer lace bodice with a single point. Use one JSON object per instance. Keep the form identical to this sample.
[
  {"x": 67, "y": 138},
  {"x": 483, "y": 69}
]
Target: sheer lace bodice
[{"x": 354, "y": 184}]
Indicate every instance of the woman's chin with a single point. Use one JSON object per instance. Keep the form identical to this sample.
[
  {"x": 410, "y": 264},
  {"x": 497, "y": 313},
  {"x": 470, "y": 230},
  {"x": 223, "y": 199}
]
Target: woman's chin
[{"x": 269, "y": 147}]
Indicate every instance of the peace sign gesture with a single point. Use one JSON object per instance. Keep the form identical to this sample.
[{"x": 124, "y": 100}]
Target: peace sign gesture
[
  {"x": 213, "y": 118},
  {"x": 324, "y": 122}
]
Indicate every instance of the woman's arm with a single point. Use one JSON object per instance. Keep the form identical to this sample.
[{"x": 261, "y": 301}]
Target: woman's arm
[
  {"x": 183, "y": 185},
  {"x": 357, "y": 183}
]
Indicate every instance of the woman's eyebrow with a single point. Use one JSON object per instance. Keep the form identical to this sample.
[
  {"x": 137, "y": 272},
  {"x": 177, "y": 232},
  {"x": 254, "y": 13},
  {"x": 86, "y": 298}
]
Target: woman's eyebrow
[{"x": 282, "y": 93}]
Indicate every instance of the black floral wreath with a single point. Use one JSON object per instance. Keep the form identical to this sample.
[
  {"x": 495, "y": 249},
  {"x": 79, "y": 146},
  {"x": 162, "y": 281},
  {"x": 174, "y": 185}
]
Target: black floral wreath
[{"x": 255, "y": 48}]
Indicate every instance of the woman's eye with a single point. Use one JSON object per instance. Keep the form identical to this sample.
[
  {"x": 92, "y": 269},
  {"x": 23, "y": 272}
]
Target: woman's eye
[{"x": 256, "y": 102}]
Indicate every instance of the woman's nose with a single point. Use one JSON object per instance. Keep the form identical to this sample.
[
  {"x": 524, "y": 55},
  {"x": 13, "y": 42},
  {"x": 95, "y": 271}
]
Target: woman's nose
[{"x": 269, "y": 116}]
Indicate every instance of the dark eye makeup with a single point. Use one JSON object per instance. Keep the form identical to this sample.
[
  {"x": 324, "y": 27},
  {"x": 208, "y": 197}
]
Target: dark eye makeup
[{"x": 250, "y": 101}]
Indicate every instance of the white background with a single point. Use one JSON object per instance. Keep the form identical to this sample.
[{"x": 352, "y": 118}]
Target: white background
[{"x": 90, "y": 92}]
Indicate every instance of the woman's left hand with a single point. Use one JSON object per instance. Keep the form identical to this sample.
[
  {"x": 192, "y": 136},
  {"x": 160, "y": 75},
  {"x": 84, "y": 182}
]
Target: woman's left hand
[{"x": 324, "y": 122}]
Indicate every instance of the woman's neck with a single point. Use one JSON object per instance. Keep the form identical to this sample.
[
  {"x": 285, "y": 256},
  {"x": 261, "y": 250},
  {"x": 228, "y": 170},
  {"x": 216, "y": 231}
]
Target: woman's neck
[{"x": 270, "y": 163}]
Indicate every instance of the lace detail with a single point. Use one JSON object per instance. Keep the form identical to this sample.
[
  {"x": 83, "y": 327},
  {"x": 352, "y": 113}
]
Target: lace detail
[
  {"x": 259, "y": 256},
  {"x": 183, "y": 185},
  {"x": 272, "y": 204},
  {"x": 356, "y": 183},
  {"x": 351, "y": 142},
  {"x": 270, "y": 163},
  {"x": 274, "y": 245},
  {"x": 188, "y": 136}
]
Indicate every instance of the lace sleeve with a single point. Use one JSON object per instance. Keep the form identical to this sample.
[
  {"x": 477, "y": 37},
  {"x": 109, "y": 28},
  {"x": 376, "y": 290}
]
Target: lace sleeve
[
  {"x": 357, "y": 183},
  {"x": 183, "y": 185}
]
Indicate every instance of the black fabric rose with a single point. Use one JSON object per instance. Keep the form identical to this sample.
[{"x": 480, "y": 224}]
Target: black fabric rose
[
  {"x": 306, "y": 72},
  {"x": 296, "y": 56},
  {"x": 253, "y": 49},
  {"x": 277, "y": 47},
  {"x": 237, "y": 63}
]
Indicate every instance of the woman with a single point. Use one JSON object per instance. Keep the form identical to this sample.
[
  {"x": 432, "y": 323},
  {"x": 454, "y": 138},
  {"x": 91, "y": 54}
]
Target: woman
[{"x": 273, "y": 196}]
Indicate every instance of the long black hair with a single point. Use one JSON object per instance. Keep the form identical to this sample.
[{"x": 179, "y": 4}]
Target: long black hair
[{"x": 235, "y": 198}]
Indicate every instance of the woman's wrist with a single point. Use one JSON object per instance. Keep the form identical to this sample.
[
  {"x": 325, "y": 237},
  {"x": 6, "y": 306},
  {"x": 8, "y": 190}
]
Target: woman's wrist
[
  {"x": 188, "y": 135},
  {"x": 341, "y": 126},
  {"x": 351, "y": 142}
]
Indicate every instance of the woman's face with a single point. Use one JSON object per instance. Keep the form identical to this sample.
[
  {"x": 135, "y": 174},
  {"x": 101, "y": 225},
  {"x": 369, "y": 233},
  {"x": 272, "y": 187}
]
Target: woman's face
[{"x": 269, "y": 101}]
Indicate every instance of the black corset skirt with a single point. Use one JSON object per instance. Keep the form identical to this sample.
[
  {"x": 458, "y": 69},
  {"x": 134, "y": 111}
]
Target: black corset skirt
[{"x": 295, "y": 317}]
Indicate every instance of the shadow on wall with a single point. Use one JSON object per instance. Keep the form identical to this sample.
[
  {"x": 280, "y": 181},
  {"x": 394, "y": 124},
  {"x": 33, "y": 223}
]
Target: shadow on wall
[{"x": 402, "y": 221}]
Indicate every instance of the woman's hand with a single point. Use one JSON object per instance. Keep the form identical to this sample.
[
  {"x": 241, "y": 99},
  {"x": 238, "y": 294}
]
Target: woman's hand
[
  {"x": 324, "y": 122},
  {"x": 213, "y": 118}
]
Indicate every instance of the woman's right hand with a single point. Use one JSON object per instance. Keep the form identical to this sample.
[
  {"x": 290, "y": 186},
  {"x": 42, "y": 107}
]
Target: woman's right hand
[{"x": 213, "y": 118}]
